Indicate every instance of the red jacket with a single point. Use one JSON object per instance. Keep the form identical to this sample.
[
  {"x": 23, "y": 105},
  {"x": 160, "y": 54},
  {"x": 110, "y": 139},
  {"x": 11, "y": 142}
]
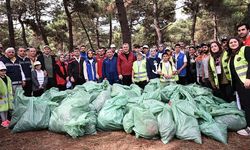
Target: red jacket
[
  {"x": 61, "y": 73},
  {"x": 99, "y": 61},
  {"x": 124, "y": 65},
  {"x": 246, "y": 42}
]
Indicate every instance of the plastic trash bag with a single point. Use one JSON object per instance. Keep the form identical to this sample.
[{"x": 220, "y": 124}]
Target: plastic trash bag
[
  {"x": 111, "y": 115},
  {"x": 215, "y": 130},
  {"x": 36, "y": 116},
  {"x": 233, "y": 122},
  {"x": 74, "y": 116},
  {"x": 166, "y": 124},
  {"x": 186, "y": 123},
  {"x": 100, "y": 100}
]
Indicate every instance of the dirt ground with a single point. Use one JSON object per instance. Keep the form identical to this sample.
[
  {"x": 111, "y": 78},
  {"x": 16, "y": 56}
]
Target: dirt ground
[{"x": 46, "y": 140}]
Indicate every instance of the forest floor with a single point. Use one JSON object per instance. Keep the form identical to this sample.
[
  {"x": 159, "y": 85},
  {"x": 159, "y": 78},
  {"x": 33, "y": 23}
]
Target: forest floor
[{"x": 46, "y": 140}]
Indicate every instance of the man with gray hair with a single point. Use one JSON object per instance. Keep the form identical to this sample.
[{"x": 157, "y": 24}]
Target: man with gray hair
[{"x": 14, "y": 69}]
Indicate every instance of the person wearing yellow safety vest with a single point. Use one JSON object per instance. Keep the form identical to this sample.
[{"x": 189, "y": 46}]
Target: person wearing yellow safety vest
[
  {"x": 219, "y": 75},
  {"x": 139, "y": 71},
  {"x": 167, "y": 70},
  {"x": 239, "y": 65},
  {"x": 6, "y": 95}
]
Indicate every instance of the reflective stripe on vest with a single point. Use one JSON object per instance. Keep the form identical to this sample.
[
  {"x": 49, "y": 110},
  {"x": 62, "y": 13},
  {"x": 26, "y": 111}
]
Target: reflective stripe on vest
[
  {"x": 241, "y": 64},
  {"x": 169, "y": 72},
  {"x": 225, "y": 61},
  {"x": 140, "y": 72},
  {"x": 212, "y": 66}
]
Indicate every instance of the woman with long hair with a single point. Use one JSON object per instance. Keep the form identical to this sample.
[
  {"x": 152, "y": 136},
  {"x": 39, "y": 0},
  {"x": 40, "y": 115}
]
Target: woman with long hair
[
  {"x": 239, "y": 65},
  {"x": 219, "y": 75}
]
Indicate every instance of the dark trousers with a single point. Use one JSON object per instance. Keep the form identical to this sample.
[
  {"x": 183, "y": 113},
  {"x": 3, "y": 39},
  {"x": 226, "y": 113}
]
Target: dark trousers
[
  {"x": 206, "y": 83},
  {"x": 141, "y": 84},
  {"x": 28, "y": 88},
  {"x": 127, "y": 80},
  {"x": 225, "y": 92},
  {"x": 79, "y": 81},
  {"x": 182, "y": 80},
  {"x": 38, "y": 92},
  {"x": 61, "y": 87},
  {"x": 51, "y": 83},
  {"x": 244, "y": 95}
]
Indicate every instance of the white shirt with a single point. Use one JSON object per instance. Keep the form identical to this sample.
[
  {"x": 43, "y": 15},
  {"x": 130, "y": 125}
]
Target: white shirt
[
  {"x": 176, "y": 59},
  {"x": 78, "y": 59},
  {"x": 40, "y": 76},
  {"x": 85, "y": 73},
  {"x": 185, "y": 57}
]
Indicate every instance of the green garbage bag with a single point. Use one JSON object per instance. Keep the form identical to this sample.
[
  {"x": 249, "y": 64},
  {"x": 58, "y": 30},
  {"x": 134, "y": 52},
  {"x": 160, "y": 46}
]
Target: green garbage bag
[
  {"x": 152, "y": 86},
  {"x": 186, "y": 122},
  {"x": 36, "y": 116},
  {"x": 74, "y": 116},
  {"x": 53, "y": 95},
  {"x": 233, "y": 122},
  {"x": 154, "y": 106},
  {"x": 145, "y": 123},
  {"x": 20, "y": 106},
  {"x": 111, "y": 115},
  {"x": 197, "y": 90},
  {"x": 81, "y": 125},
  {"x": 156, "y": 95},
  {"x": 215, "y": 130},
  {"x": 130, "y": 91},
  {"x": 169, "y": 92},
  {"x": 128, "y": 121},
  {"x": 166, "y": 124},
  {"x": 100, "y": 100}
]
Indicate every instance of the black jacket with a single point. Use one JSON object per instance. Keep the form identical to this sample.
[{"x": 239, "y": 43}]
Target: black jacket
[
  {"x": 75, "y": 70},
  {"x": 26, "y": 66}
]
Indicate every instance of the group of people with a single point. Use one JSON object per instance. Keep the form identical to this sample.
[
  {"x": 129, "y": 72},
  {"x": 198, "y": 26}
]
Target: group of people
[{"x": 222, "y": 66}]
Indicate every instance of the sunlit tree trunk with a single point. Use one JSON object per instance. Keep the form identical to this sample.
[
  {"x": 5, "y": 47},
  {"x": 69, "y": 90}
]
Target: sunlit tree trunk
[{"x": 156, "y": 22}]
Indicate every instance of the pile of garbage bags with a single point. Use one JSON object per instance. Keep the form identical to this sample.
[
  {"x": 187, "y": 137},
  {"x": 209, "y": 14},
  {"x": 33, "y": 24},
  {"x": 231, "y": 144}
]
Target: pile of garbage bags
[{"x": 158, "y": 111}]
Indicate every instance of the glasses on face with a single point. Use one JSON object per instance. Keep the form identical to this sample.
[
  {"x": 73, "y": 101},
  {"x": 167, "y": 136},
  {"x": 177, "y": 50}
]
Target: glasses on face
[
  {"x": 3, "y": 70},
  {"x": 11, "y": 52}
]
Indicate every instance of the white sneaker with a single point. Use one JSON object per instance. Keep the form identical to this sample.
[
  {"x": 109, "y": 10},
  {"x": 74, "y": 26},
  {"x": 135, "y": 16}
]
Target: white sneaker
[{"x": 244, "y": 132}]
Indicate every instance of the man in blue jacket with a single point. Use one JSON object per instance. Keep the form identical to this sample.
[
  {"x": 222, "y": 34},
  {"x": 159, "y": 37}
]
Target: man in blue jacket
[{"x": 109, "y": 68}]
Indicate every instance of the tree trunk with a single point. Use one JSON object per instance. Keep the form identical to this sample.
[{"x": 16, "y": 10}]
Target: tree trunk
[
  {"x": 10, "y": 24},
  {"x": 69, "y": 20},
  {"x": 156, "y": 22},
  {"x": 248, "y": 13},
  {"x": 110, "y": 30},
  {"x": 215, "y": 27},
  {"x": 97, "y": 33},
  {"x": 194, "y": 17},
  {"x": 123, "y": 20},
  {"x": 39, "y": 24},
  {"x": 23, "y": 30},
  {"x": 84, "y": 28}
]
